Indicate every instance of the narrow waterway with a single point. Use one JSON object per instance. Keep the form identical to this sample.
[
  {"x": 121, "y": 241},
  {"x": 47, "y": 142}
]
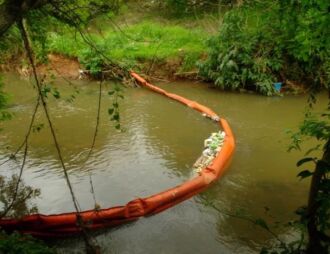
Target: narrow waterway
[{"x": 160, "y": 141}]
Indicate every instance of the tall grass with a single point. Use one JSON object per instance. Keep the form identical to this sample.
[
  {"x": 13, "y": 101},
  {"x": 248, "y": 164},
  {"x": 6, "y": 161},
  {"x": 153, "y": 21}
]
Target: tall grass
[{"x": 137, "y": 43}]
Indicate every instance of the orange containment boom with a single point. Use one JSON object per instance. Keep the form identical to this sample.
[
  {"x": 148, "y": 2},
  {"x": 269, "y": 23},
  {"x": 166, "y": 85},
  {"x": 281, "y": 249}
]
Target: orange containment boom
[{"x": 59, "y": 225}]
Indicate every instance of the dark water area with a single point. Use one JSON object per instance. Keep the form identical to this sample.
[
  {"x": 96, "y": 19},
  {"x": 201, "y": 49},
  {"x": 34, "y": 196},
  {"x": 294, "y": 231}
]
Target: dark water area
[{"x": 160, "y": 142}]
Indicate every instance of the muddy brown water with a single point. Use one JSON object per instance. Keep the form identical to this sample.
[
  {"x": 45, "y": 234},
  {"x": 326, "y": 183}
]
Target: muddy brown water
[{"x": 160, "y": 142}]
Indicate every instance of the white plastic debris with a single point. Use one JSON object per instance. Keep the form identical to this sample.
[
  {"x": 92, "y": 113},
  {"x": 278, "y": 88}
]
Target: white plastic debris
[
  {"x": 213, "y": 146},
  {"x": 215, "y": 118}
]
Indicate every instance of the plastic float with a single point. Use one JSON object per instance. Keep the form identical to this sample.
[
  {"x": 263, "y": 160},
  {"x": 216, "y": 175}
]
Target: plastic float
[{"x": 211, "y": 166}]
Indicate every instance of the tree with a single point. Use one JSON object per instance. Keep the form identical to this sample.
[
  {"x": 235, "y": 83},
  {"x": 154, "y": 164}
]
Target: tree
[
  {"x": 316, "y": 215},
  {"x": 31, "y": 14},
  {"x": 72, "y": 12},
  {"x": 263, "y": 42}
]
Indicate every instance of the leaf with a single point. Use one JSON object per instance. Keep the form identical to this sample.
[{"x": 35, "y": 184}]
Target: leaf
[
  {"x": 37, "y": 128},
  {"x": 111, "y": 92},
  {"x": 116, "y": 117},
  {"x": 304, "y": 160},
  {"x": 304, "y": 174},
  {"x": 261, "y": 223},
  {"x": 323, "y": 165},
  {"x": 110, "y": 111},
  {"x": 56, "y": 94},
  {"x": 264, "y": 251}
]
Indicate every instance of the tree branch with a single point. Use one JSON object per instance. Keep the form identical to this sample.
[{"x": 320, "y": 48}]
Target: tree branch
[{"x": 13, "y": 10}]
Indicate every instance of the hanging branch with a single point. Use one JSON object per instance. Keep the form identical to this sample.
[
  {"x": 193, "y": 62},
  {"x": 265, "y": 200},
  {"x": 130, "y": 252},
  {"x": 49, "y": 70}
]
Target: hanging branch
[
  {"x": 91, "y": 246},
  {"x": 154, "y": 57},
  {"x": 97, "y": 121},
  {"x": 18, "y": 181},
  {"x": 258, "y": 222},
  {"x": 26, "y": 135},
  {"x": 30, "y": 57},
  {"x": 73, "y": 20},
  {"x": 93, "y": 142},
  {"x": 25, "y": 142}
]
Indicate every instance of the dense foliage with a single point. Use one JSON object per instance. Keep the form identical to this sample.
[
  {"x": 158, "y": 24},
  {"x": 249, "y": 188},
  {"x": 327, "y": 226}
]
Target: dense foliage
[
  {"x": 19, "y": 244},
  {"x": 316, "y": 215},
  {"x": 313, "y": 224},
  {"x": 262, "y": 42}
]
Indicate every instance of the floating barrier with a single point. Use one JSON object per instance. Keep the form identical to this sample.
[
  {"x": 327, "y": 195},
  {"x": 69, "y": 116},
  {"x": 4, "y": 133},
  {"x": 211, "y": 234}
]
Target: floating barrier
[{"x": 61, "y": 225}]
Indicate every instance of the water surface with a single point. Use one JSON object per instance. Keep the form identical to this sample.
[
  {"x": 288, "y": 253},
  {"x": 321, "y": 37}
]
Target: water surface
[{"x": 160, "y": 142}]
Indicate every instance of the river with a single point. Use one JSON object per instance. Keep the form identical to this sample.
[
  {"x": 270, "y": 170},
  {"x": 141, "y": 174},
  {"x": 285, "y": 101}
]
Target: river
[{"x": 159, "y": 142}]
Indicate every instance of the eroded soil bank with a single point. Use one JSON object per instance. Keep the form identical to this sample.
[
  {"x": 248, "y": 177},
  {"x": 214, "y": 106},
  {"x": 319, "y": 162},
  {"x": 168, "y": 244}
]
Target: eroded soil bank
[{"x": 70, "y": 68}]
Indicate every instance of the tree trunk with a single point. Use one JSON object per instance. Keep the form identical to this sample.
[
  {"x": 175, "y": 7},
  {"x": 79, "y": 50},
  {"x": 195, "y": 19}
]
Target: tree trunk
[
  {"x": 315, "y": 241},
  {"x": 14, "y": 10}
]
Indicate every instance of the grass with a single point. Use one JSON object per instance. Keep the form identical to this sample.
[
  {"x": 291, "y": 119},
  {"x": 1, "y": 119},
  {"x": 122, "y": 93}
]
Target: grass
[{"x": 136, "y": 43}]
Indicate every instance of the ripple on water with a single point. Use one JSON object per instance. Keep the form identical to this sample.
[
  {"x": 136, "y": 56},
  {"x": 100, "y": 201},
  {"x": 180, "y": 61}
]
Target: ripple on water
[{"x": 161, "y": 142}]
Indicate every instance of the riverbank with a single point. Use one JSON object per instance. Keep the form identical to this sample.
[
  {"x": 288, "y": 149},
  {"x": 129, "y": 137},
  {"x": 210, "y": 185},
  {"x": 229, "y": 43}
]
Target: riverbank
[
  {"x": 138, "y": 38},
  {"x": 142, "y": 38}
]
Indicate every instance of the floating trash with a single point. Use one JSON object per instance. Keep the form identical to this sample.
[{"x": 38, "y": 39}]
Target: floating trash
[{"x": 212, "y": 146}]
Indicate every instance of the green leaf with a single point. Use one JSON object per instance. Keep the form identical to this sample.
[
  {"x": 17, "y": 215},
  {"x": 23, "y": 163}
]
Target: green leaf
[
  {"x": 37, "y": 128},
  {"x": 115, "y": 117},
  {"x": 56, "y": 94},
  {"x": 264, "y": 251},
  {"x": 304, "y": 174},
  {"x": 111, "y": 92},
  {"x": 304, "y": 160},
  {"x": 324, "y": 166},
  {"x": 110, "y": 111},
  {"x": 261, "y": 223}
]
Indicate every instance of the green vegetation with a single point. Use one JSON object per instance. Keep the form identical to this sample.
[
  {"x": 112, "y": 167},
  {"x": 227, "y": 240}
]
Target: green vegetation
[
  {"x": 18, "y": 244},
  {"x": 258, "y": 43},
  {"x": 262, "y": 42},
  {"x": 135, "y": 44},
  {"x": 315, "y": 216},
  {"x": 10, "y": 46}
]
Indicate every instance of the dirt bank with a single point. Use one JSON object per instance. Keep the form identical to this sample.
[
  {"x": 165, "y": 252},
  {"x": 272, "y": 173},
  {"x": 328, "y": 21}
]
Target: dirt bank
[
  {"x": 70, "y": 68},
  {"x": 61, "y": 66},
  {"x": 56, "y": 65}
]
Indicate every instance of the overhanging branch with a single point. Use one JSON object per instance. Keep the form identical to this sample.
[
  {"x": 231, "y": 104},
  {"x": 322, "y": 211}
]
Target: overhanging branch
[{"x": 13, "y": 10}]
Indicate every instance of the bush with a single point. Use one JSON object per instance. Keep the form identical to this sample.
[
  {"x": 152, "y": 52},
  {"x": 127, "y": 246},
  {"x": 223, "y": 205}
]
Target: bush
[
  {"x": 18, "y": 244},
  {"x": 260, "y": 43}
]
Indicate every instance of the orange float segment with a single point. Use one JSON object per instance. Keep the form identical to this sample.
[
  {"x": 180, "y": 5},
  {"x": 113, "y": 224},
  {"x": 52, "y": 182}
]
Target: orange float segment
[
  {"x": 60, "y": 225},
  {"x": 189, "y": 103}
]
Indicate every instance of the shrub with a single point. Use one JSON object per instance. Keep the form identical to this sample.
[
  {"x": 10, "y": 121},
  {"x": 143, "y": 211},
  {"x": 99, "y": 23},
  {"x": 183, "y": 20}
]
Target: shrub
[
  {"x": 18, "y": 244},
  {"x": 260, "y": 43}
]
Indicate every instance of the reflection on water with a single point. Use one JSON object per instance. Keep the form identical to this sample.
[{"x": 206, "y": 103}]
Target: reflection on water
[{"x": 161, "y": 142}]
